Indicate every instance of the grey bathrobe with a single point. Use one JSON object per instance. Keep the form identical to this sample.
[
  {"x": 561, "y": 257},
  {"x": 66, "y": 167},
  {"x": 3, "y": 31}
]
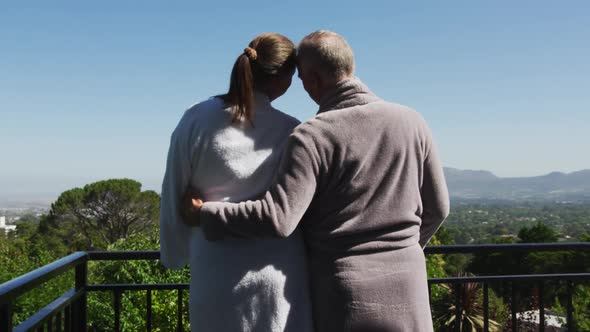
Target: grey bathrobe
[{"x": 364, "y": 182}]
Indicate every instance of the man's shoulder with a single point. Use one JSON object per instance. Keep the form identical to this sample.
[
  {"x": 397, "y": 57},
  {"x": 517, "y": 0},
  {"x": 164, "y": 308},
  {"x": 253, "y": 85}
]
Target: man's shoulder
[
  {"x": 285, "y": 118},
  {"x": 310, "y": 132},
  {"x": 393, "y": 106},
  {"x": 334, "y": 124},
  {"x": 396, "y": 111},
  {"x": 397, "y": 106},
  {"x": 379, "y": 108},
  {"x": 313, "y": 126}
]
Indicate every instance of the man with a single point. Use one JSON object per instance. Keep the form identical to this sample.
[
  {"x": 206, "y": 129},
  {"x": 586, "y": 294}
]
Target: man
[{"x": 365, "y": 183}]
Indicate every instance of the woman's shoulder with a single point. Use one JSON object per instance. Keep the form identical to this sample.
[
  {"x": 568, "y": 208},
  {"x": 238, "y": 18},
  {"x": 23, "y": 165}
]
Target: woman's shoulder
[
  {"x": 206, "y": 108},
  {"x": 202, "y": 115}
]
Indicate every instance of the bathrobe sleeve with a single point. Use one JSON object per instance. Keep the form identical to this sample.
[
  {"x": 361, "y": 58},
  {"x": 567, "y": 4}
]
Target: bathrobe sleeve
[
  {"x": 174, "y": 234},
  {"x": 279, "y": 210},
  {"x": 434, "y": 193}
]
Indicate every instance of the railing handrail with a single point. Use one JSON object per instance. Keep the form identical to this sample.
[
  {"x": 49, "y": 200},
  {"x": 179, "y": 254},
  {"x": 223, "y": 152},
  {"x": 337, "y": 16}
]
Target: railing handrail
[
  {"x": 135, "y": 287},
  {"x": 440, "y": 249},
  {"x": 42, "y": 315},
  {"x": 123, "y": 255},
  {"x": 507, "y": 247},
  {"x": 15, "y": 287},
  {"x": 510, "y": 277}
]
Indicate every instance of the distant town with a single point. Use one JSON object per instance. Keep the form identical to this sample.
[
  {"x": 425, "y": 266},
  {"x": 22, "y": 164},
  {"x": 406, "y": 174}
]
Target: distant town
[{"x": 9, "y": 216}]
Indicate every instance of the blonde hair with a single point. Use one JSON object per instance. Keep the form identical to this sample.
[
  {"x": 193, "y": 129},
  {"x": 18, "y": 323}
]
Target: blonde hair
[
  {"x": 328, "y": 53},
  {"x": 269, "y": 54}
]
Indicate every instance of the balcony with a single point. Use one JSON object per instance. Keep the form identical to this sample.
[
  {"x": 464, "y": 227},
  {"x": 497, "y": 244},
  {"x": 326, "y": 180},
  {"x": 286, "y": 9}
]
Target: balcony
[{"x": 69, "y": 312}]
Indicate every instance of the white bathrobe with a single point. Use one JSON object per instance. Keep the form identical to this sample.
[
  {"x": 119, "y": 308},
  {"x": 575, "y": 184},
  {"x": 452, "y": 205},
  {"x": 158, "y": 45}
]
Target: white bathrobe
[{"x": 238, "y": 284}]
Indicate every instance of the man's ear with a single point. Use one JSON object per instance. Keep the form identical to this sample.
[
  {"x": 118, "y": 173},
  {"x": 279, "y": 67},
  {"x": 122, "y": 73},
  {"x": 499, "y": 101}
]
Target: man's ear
[
  {"x": 318, "y": 86},
  {"x": 316, "y": 81}
]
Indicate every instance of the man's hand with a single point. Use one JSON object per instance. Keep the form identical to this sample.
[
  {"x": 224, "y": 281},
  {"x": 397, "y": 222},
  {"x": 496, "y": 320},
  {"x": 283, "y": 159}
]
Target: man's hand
[{"x": 190, "y": 207}]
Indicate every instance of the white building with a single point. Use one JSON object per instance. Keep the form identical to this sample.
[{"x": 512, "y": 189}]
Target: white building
[
  {"x": 530, "y": 320},
  {"x": 4, "y": 227}
]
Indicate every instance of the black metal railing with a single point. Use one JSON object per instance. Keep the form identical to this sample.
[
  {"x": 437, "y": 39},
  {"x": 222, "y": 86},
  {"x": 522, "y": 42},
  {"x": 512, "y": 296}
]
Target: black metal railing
[
  {"x": 68, "y": 312},
  {"x": 511, "y": 280},
  {"x": 118, "y": 290}
]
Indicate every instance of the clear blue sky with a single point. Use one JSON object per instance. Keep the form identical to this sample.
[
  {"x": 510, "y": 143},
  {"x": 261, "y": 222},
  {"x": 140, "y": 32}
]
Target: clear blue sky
[{"x": 93, "y": 89}]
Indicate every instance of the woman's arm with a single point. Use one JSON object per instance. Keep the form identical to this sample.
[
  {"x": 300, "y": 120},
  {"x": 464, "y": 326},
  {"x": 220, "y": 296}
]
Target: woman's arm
[{"x": 174, "y": 234}]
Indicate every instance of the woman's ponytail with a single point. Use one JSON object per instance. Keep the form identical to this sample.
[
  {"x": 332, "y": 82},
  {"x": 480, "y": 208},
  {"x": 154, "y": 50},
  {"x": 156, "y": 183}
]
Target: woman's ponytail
[{"x": 241, "y": 89}]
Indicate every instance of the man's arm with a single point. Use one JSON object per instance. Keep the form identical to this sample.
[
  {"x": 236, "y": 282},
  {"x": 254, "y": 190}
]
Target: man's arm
[
  {"x": 281, "y": 208},
  {"x": 435, "y": 195}
]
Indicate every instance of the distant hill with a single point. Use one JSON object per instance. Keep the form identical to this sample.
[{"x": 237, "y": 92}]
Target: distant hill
[{"x": 556, "y": 186}]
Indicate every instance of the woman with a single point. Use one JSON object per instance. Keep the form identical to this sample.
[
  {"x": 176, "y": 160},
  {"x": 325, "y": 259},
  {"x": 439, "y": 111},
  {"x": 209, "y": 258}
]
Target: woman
[{"x": 228, "y": 148}]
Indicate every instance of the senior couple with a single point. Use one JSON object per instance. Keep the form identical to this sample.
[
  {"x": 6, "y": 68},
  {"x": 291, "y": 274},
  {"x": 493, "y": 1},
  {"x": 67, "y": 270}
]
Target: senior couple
[{"x": 318, "y": 226}]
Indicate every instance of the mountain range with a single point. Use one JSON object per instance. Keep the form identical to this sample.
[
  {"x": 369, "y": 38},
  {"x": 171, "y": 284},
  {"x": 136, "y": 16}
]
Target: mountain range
[
  {"x": 463, "y": 185},
  {"x": 555, "y": 186}
]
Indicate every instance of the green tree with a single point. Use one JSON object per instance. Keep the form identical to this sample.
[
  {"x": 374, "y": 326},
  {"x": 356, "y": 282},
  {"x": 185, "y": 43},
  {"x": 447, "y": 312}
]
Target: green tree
[
  {"x": 444, "y": 236},
  {"x": 101, "y": 213},
  {"x": 540, "y": 233}
]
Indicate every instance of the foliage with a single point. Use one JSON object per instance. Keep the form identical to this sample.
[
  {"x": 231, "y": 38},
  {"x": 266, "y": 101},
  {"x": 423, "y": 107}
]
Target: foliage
[
  {"x": 16, "y": 259},
  {"x": 133, "y": 311},
  {"x": 472, "y": 319},
  {"x": 435, "y": 268},
  {"x": 444, "y": 237},
  {"x": 581, "y": 303}
]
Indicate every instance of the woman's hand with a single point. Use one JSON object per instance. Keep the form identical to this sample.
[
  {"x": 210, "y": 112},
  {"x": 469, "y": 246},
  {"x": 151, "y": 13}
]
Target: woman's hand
[{"x": 190, "y": 207}]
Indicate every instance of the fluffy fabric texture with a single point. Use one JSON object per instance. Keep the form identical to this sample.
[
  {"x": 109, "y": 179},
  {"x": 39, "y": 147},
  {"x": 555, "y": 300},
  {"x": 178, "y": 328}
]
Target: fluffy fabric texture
[
  {"x": 364, "y": 180},
  {"x": 237, "y": 285}
]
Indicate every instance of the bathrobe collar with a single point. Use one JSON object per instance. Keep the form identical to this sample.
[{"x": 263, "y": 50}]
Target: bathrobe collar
[{"x": 347, "y": 93}]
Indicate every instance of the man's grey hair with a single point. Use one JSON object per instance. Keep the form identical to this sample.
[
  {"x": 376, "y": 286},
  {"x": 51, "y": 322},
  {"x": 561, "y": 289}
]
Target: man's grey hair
[{"x": 327, "y": 53}]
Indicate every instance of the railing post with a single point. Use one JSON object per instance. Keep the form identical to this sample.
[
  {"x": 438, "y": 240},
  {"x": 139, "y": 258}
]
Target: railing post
[
  {"x": 458, "y": 318},
  {"x": 179, "y": 327},
  {"x": 513, "y": 307},
  {"x": 486, "y": 307},
  {"x": 6, "y": 317},
  {"x": 148, "y": 319},
  {"x": 570, "y": 306},
  {"x": 79, "y": 311},
  {"x": 117, "y": 306},
  {"x": 541, "y": 291},
  {"x": 68, "y": 319}
]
